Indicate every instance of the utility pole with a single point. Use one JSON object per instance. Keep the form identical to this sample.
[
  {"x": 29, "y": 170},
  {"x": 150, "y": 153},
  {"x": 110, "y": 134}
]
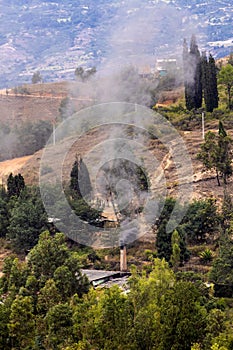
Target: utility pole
[{"x": 54, "y": 132}]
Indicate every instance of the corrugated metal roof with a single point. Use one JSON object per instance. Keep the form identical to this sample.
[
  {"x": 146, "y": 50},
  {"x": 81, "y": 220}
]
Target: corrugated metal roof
[
  {"x": 94, "y": 275},
  {"x": 105, "y": 278}
]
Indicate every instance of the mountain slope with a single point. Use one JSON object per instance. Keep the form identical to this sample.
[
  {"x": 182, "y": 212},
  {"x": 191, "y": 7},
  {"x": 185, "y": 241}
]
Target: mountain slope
[{"x": 57, "y": 36}]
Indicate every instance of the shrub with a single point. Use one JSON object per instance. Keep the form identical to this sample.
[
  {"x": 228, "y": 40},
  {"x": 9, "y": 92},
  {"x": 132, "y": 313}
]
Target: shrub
[{"x": 206, "y": 255}]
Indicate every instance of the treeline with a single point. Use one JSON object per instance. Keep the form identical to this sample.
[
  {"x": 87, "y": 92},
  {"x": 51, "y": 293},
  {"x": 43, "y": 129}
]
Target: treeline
[
  {"x": 47, "y": 304},
  {"x": 23, "y": 140},
  {"x": 202, "y": 77}
]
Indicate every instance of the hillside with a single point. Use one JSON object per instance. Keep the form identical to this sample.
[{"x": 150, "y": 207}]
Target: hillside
[
  {"x": 204, "y": 183},
  {"x": 57, "y": 36},
  {"x": 32, "y": 102}
]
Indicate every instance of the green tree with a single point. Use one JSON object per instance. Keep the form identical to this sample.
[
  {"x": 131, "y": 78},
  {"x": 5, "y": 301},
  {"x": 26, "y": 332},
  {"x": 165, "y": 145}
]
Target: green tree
[
  {"x": 32, "y": 137},
  {"x": 227, "y": 211},
  {"x": 80, "y": 183},
  {"x": 192, "y": 74},
  {"x": 201, "y": 220},
  {"x": 84, "y": 179},
  {"x": 214, "y": 82},
  {"x": 209, "y": 153},
  {"x": 215, "y": 346},
  {"x": 59, "y": 326},
  {"x": 14, "y": 274},
  {"x": 74, "y": 183},
  {"x": 4, "y": 331},
  {"x": 225, "y": 78},
  {"x": 195, "y": 59},
  {"x": 209, "y": 82},
  {"x": 216, "y": 153},
  {"x": 48, "y": 297},
  {"x": 22, "y": 323},
  {"x": 183, "y": 320},
  {"x": 113, "y": 320},
  {"x": 4, "y": 217},
  {"x": 221, "y": 272},
  {"x": 175, "y": 242},
  {"x": 215, "y": 325},
  {"x": 28, "y": 219},
  {"x": 48, "y": 255},
  {"x": 68, "y": 278},
  {"x": 164, "y": 238},
  {"x": 146, "y": 294},
  {"x": 15, "y": 184},
  {"x": 51, "y": 259},
  {"x": 206, "y": 83},
  {"x": 225, "y": 153}
]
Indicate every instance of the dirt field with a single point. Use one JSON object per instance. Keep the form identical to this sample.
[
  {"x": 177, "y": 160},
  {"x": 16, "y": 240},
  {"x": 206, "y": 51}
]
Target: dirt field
[
  {"x": 40, "y": 102},
  {"x": 204, "y": 183}
]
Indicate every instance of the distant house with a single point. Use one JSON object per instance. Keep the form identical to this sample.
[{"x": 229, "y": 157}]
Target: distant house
[{"x": 165, "y": 66}]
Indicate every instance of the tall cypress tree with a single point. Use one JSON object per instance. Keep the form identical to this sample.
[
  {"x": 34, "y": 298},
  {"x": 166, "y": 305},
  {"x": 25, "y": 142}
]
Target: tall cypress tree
[
  {"x": 209, "y": 82},
  {"x": 84, "y": 179},
  {"x": 187, "y": 76},
  {"x": 74, "y": 184},
  {"x": 206, "y": 83},
  {"x": 197, "y": 72},
  {"x": 213, "y": 80},
  {"x": 80, "y": 182},
  {"x": 192, "y": 75}
]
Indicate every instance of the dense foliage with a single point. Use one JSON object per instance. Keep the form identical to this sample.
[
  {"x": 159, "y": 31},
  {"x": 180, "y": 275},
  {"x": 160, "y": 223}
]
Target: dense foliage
[{"x": 45, "y": 304}]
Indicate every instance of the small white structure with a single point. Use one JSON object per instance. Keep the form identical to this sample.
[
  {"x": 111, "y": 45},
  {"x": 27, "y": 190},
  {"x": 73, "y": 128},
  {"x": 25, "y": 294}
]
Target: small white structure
[{"x": 166, "y": 65}]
